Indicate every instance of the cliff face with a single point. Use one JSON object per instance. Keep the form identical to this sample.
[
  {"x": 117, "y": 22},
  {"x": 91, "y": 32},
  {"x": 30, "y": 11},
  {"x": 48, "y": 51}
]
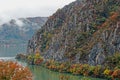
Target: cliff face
[{"x": 85, "y": 31}]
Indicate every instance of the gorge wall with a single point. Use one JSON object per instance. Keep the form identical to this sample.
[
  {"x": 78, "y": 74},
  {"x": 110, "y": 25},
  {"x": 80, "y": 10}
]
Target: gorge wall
[{"x": 85, "y": 31}]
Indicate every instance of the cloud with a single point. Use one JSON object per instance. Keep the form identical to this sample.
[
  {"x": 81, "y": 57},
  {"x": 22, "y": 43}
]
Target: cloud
[
  {"x": 32, "y": 6},
  {"x": 29, "y": 8},
  {"x": 4, "y": 18},
  {"x": 19, "y": 23}
]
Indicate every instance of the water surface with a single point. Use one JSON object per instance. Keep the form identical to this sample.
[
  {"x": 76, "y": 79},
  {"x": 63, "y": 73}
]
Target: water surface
[
  {"x": 10, "y": 50},
  {"x": 41, "y": 73}
]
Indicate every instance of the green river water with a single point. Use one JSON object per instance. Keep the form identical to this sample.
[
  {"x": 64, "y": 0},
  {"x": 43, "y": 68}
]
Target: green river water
[{"x": 39, "y": 73}]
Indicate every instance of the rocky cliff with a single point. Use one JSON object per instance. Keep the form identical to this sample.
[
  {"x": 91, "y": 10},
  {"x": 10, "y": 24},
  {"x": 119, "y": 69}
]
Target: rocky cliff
[{"x": 85, "y": 31}]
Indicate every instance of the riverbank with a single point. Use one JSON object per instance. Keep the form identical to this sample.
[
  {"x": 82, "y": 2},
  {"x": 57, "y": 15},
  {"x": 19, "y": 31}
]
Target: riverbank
[
  {"x": 75, "y": 69},
  {"x": 42, "y": 73}
]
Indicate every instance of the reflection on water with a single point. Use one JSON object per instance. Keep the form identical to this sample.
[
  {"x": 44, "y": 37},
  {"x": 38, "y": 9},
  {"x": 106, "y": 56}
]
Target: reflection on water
[
  {"x": 11, "y": 50},
  {"x": 41, "y": 73}
]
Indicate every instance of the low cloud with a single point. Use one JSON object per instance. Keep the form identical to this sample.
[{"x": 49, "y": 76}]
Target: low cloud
[
  {"x": 4, "y": 19},
  {"x": 19, "y": 23},
  {"x": 13, "y": 9}
]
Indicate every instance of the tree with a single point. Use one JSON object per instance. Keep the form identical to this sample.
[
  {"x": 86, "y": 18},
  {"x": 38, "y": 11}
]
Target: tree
[{"x": 13, "y": 71}]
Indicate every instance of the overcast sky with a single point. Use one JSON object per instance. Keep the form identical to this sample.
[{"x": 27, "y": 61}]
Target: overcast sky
[{"x": 29, "y": 8}]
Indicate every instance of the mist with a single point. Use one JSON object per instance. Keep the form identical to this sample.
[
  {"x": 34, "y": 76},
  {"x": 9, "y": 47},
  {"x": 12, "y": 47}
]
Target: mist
[{"x": 13, "y": 9}]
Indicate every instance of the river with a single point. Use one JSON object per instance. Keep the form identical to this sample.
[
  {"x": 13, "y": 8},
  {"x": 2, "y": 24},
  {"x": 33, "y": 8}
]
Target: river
[{"x": 39, "y": 73}]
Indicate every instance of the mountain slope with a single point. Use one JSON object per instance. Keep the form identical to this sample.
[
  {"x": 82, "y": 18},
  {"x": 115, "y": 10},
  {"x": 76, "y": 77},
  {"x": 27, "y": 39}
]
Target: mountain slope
[
  {"x": 21, "y": 29},
  {"x": 85, "y": 31}
]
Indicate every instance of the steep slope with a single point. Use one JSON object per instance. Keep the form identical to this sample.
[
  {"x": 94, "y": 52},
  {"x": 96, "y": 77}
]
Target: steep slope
[
  {"x": 85, "y": 31},
  {"x": 21, "y": 29}
]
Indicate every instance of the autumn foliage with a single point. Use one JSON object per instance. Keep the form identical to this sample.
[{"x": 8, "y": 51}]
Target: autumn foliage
[
  {"x": 13, "y": 71},
  {"x": 83, "y": 69},
  {"x": 112, "y": 19},
  {"x": 35, "y": 59}
]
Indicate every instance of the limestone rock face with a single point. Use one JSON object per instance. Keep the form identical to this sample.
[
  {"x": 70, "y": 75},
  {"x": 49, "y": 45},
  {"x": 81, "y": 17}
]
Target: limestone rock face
[{"x": 85, "y": 31}]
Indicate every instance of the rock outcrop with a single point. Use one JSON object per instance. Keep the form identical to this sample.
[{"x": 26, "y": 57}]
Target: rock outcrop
[{"x": 85, "y": 31}]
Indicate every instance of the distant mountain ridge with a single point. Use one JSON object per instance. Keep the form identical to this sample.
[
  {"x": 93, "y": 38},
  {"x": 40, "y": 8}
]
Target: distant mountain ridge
[{"x": 21, "y": 29}]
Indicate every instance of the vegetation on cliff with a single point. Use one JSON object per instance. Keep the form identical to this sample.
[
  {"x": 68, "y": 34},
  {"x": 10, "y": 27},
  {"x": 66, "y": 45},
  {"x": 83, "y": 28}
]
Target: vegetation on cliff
[{"x": 85, "y": 31}]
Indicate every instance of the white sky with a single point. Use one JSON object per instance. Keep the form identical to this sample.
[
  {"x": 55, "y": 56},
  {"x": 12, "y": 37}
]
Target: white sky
[{"x": 29, "y": 8}]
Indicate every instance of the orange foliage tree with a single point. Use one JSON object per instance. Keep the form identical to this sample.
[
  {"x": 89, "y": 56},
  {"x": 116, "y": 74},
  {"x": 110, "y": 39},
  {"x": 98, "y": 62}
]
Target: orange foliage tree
[{"x": 13, "y": 71}]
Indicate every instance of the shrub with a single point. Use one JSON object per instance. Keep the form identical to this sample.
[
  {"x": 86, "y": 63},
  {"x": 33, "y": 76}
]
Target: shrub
[
  {"x": 38, "y": 61},
  {"x": 13, "y": 71},
  {"x": 107, "y": 72},
  {"x": 97, "y": 71},
  {"x": 116, "y": 74},
  {"x": 35, "y": 59},
  {"x": 113, "y": 61}
]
